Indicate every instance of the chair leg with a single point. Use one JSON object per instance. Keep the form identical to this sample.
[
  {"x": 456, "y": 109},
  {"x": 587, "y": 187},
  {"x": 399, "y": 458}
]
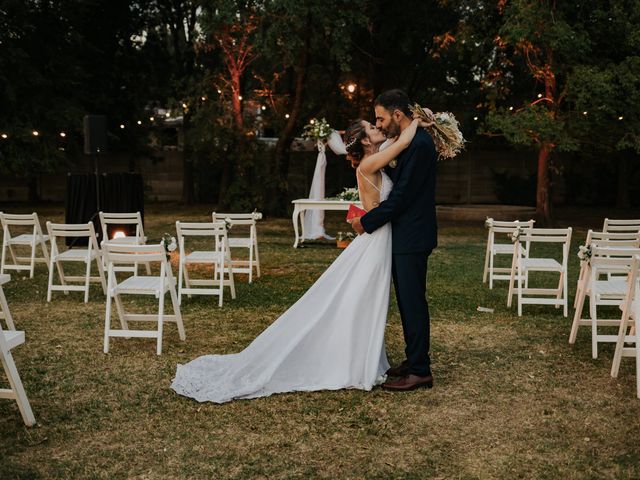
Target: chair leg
[
  {"x": 4, "y": 254},
  {"x": 160, "y": 323},
  {"x": 250, "y": 263},
  {"x": 232, "y": 282},
  {"x": 491, "y": 257},
  {"x": 50, "y": 281},
  {"x": 177, "y": 313},
  {"x": 594, "y": 325},
  {"x": 486, "y": 262},
  {"x": 107, "y": 324},
  {"x": 511, "y": 280},
  {"x": 86, "y": 281},
  {"x": 187, "y": 279},
  {"x": 220, "y": 271},
  {"x": 33, "y": 259},
  {"x": 520, "y": 280},
  {"x": 255, "y": 246},
  {"x": 18, "y": 388},
  {"x": 103, "y": 281},
  {"x": 577, "y": 316},
  {"x": 559, "y": 294},
  {"x": 4, "y": 307}
]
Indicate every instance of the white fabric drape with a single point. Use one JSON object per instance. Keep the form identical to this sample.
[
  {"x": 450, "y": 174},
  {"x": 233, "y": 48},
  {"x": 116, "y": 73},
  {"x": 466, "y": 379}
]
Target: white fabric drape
[{"x": 314, "y": 219}]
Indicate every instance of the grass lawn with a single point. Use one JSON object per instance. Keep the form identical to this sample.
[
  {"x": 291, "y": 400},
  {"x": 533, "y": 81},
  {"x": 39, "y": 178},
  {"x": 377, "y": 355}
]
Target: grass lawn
[{"x": 511, "y": 398}]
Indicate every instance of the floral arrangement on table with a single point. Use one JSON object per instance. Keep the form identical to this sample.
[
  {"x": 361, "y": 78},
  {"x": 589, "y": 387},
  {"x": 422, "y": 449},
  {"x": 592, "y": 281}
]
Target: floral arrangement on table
[
  {"x": 317, "y": 129},
  {"x": 584, "y": 253},
  {"x": 169, "y": 243},
  {"x": 349, "y": 195},
  {"x": 445, "y": 131},
  {"x": 488, "y": 223}
]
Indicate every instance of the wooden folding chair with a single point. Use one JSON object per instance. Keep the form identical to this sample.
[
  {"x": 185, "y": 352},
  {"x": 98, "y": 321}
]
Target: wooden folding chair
[
  {"x": 629, "y": 329},
  {"x": 139, "y": 285},
  {"x": 108, "y": 223},
  {"x": 9, "y": 339},
  {"x": 621, "y": 226},
  {"x": 87, "y": 255},
  {"x": 523, "y": 265},
  {"x": 506, "y": 247},
  {"x": 237, "y": 223},
  {"x": 5, "y": 313},
  {"x": 217, "y": 255},
  {"x": 34, "y": 239}
]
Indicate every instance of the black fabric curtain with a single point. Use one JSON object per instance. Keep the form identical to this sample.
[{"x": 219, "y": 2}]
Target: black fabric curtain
[{"x": 119, "y": 193}]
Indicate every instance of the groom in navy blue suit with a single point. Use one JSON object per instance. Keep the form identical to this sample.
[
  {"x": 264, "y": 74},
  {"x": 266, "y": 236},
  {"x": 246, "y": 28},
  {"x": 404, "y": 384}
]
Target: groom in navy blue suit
[{"x": 412, "y": 212}]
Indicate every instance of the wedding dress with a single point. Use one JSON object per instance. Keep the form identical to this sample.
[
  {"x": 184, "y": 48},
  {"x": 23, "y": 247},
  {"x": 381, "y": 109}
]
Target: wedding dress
[{"x": 332, "y": 338}]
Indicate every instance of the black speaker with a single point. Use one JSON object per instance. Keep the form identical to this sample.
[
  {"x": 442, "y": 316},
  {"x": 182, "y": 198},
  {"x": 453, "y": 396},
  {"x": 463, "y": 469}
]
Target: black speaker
[{"x": 95, "y": 134}]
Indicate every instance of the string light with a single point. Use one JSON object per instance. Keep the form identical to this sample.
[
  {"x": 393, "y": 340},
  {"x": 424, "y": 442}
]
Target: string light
[
  {"x": 286, "y": 116},
  {"x": 184, "y": 105},
  {"x": 62, "y": 134},
  {"x": 122, "y": 125},
  {"x": 312, "y": 121},
  {"x": 168, "y": 114},
  {"x": 35, "y": 133},
  {"x": 219, "y": 91},
  {"x": 475, "y": 118},
  {"x": 139, "y": 122},
  {"x": 240, "y": 97},
  {"x": 539, "y": 95},
  {"x": 584, "y": 113},
  {"x": 263, "y": 107},
  {"x": 151, "y": 119},
  {"x": 203, "y": 98},
  {"x": 510, "y": 109},
  {"x": 620, "y": 117},
  {"x": 351, "y": 87},
  {"x": 4, "y": 135}
]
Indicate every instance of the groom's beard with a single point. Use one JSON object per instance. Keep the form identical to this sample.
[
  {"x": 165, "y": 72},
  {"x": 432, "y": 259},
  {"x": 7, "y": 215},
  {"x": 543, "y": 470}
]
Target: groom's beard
[{"x": 393, "y": 130}]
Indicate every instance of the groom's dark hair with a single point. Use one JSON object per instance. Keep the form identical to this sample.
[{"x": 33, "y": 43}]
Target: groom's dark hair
[{"x": 394, "y": 99}]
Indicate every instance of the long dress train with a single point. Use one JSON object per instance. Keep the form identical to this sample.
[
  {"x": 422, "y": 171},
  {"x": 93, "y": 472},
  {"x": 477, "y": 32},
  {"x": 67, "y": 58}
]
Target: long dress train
[{"x": 332, "y": 338}]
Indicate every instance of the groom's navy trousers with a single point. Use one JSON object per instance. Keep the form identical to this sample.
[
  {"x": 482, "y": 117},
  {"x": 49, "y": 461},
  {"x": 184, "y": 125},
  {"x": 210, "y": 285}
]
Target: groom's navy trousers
[{"x": 411, "y": 210}]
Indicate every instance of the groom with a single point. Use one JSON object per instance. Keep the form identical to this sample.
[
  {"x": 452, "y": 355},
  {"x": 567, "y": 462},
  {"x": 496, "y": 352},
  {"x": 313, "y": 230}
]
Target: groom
[{"x": 411, "y": 210}]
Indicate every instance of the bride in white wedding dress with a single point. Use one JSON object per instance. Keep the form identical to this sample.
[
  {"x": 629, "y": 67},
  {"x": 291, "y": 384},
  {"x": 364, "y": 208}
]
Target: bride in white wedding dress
[{"x": 333, "y": 337}]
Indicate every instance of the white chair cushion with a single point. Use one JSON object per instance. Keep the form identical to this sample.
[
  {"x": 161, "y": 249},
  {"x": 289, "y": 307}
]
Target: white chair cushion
[
  {"x": 141, "y": 284},
  {"x": 13, "y": 338},
  {"x": 615, "y": 286},
  {"x": 203, "y": 257},
  {"x": 541, "y": 264},
  {"x": 75, "y": 254},
  {"x": 243, "y": 242},
  {"x": 27, "y": 239}
]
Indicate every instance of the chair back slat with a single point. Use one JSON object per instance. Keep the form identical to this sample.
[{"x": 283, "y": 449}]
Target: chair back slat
[{"x": 621, "y": 225}]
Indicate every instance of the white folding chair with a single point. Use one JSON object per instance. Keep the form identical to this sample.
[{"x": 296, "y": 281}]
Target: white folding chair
[
  {"x": 501, "y": 248},
  {"x": 9, "y": 339},
  {"x": 629, "y": 329},
  {"x": 523, "y": 265},
  {"x": 139, "y": 285},
  {"x": 217, "y": 255},
  {"x": 621, "y": 226},
  {"x": 603, "y": 239},
  {"x": 108, "y": 222},
  {"x": 237, "y": 223},
  {"x": 605, "y": 284},
  {"x": 34, "y": 239},
  {"x": 87, "y": 254}
]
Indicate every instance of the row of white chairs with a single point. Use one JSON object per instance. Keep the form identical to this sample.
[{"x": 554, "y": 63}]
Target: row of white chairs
[
  {"x": 54, "y": 260},
  {"x": 608, "y": 277}
]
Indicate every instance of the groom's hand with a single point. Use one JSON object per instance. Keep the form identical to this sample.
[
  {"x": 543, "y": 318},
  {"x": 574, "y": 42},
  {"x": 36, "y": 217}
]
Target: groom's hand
[{"x": 357, "y": 226}]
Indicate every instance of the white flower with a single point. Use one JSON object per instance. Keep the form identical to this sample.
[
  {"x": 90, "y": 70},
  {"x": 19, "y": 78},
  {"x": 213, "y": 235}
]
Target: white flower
[
  {"x": 488, "y": 223},
  {"x": 349, "y": 195},
  {"x": 584, "y": 253},
  {"x": 516, "y": 234},
  {"x": 169, "y": 243}
]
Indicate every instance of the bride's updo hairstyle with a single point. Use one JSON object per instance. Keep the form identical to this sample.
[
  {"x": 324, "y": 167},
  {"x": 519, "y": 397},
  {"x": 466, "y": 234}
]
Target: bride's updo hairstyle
[{"x": 353, "y": 142}]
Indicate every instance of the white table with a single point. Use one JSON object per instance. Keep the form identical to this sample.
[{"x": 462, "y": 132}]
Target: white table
[{"x": 303, "y": 204}]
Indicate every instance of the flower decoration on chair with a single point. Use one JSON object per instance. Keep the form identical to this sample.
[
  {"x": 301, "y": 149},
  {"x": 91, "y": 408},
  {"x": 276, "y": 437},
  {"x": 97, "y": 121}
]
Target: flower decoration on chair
[
  {"x": 345, "y": 236},
  {"x": 584, "y": 253},
  {"x": 515, "y": 235},
  {"x": 169, "y": 243},
  {"x": 317, "y": 129},
  {"x": 228, "y": 223},
  {"x": 349, "y": 195},
  {"x": 445, "y": 131},
  {"x": 488, "y": 223}
]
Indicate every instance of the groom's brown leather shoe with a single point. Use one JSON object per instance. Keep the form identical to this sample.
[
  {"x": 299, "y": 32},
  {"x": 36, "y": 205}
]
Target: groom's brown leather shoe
[
  {"x": 401, "y": 370},
  {"x": 409, "y": 382}
]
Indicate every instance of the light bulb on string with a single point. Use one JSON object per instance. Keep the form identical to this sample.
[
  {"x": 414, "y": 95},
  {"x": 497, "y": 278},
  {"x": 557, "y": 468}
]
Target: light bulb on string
[
  {"x": 286, "y": 116},
  {"x": 312, "y": 121},
  {"x": 219, "y": 91},
  {"x": 35, "y": 133},
  {"x": 511, "y": 109},
  {"x": 351, "y": 87},
  {"x": 151, "y": 119},
  {"x": 168, "y": 114},
  {"x": 620, "y": 117},
  {"x": 539, "y": 95},
  {"x": 62, "y": 134},
  {"x": 475, "y": 118},
  {"x": 122, "y": 125},
  {"x": 263, "y": 107},
  {"x": 584, "y": 113},
  {"x": 240, "y": 97},
  {"x": 139, "y": 122},
  {"x": 203, "y": 98},
  {"x": 4, "y": 136},
  {"x": 184, "y": 105}
]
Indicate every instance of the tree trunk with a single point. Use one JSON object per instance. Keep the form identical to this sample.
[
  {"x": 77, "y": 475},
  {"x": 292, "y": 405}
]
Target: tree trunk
[{"x": 543, "y": 194}]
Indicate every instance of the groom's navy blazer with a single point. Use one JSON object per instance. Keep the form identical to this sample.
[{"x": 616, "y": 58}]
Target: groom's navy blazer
[{"x": 411, "y": 206}]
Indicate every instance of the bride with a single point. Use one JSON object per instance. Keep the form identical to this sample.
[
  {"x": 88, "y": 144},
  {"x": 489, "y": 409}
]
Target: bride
[{"x": 333, "y": 337}]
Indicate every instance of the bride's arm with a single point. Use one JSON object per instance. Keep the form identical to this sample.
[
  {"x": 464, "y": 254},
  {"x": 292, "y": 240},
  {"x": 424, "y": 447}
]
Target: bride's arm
[{"x": 375, "y": 162}]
